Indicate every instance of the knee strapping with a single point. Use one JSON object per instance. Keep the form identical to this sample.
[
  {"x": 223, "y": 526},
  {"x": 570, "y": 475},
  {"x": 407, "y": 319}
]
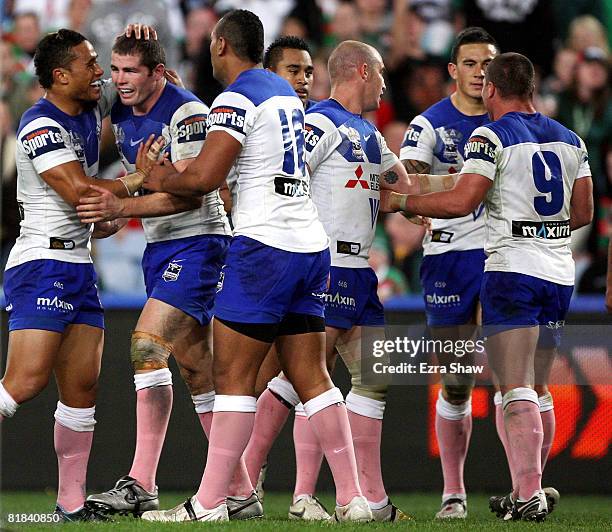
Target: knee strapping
[
  {"x": 8, "y": 406},
  {"x": 546, "y": 402},
  {"x": 451, "y": 411},
  {"x": 285, "y": 390},
  {"x": 149, "y": 351},
  {"x": 77, "y": 419},
  {"x": 150, "y": 379},
  {"x": 204, "y": 402},
  {"x": 364, "y": 405},
  {"x": 376, "y": 392},
  {"x": 520, "y": 394}
]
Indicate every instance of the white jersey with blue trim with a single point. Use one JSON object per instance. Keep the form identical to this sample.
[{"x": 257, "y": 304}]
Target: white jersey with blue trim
[
  {"x": 47, "y": 137},
  {"x": 269, "y": 187},
  {"x": 437, "y": 137},
  {"x": 346, "y": 156},
  {"x": 180, "y": 117},
  {"x": 533, "y": 162}
]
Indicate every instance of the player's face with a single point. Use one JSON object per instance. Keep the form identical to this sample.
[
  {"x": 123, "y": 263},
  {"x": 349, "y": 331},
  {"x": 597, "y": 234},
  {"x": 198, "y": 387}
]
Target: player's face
[
  {"x": 375, "y": 86},
  {"x": 296, "y": 67},
  {"x": 84, "y": 74},
  {"x": 134, "y": 81},
  {"x": 472, "y": 61}
]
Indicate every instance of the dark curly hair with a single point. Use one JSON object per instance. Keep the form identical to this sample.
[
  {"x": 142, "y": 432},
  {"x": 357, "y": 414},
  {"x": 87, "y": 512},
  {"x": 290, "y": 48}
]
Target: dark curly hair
[
  {"x": 55, "y": 51},
  {"x": 275, "y": 50}
]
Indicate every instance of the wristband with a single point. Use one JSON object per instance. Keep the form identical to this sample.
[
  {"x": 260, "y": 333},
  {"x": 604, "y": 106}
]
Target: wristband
[{"x": 133, "y": 182}]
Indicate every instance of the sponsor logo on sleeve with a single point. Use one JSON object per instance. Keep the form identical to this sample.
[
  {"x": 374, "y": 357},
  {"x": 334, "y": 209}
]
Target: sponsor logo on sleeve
[
  {"x": 227, "y": 116},
  {"x": 543, "y": 230},
  {"x": 42, "y": 140},
  {"x": 312, "y": 135},
  {"x": 411, "y": 138},
  {"x": 479, "y": 147},
  {"x": 192, "y": 129}
]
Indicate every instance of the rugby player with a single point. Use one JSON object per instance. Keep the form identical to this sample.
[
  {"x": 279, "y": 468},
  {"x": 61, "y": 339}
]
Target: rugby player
[
  {"x": 56, "y": 323},
  {"x": 453, "y": 263},
  {"x": 273, "y": 283},
  {"x": 181, "y": 266},
  {"x": 534, "y": 177}
]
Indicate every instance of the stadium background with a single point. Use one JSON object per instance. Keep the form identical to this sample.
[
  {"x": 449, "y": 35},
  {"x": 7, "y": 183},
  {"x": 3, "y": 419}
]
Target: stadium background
[{"x": 568, "y": 40}]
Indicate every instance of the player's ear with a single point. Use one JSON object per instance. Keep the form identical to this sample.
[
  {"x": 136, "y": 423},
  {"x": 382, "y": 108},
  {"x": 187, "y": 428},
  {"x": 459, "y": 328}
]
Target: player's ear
[
  {"x": 363, "y": 72},
  {"x": 60, "y": 76},
  {"x": 221, "y": 45},
  {"x": 159, "y": 71},
  {"x": 452, "y": 70}
]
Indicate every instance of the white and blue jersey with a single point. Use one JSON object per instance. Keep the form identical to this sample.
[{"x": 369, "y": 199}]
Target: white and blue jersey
[
  {"x": 346, "y": 156},
  {"x": 185, "y": 251},
  {"x": 278, "y": 261},
  {"x": 49, "y": 279},
  {"x": 533, "y": 162},
  {"x": 438, "y": 137},
  {"x": 180, "y": 117}
]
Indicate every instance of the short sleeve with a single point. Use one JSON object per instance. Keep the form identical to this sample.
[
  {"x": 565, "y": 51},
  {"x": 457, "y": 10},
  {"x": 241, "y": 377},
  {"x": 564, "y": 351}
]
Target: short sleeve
[
  {"x": 188, "y": 130},
  {"x": 584, "y": 170},
  {"x": 108, "y": 97},
  {"x": 232, "y": 113},
  {"x": 419, "y": 141},
  {"x": 482, "y": 152},
  {"x": 321, "y": 138},
  {"x": 388, "y": 158},
  {"x": 46, "y": 143}
]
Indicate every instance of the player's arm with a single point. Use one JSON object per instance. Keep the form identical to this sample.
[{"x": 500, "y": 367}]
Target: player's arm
[
  {"x": 581, "y": 204},
  {"x": 102, "y": 205},
  {"x": 469, "y": 191},
  {"x": 205, "y": 174},
  {"x": 106, "y": 229}
]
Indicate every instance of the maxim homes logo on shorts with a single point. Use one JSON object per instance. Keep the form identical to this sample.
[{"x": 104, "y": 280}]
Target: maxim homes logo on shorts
[
  {"x": 544, "y": 230},
  {"x": 45, "y": 303}
]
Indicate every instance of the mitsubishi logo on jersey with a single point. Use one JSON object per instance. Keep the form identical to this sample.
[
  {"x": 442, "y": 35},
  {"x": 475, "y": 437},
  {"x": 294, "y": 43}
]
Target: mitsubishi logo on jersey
[{"x": 352, "y": 183}]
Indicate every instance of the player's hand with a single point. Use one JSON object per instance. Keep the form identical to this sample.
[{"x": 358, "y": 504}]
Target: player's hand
[
  {"x": 157, "y": 175},
  {"x": 389, "y": 201},
  {"x": 418, "y": 220},
  {"x": 173, "y": 77},
  {"x": 149, "y": 153},
  {"x": 141, "y": 31},
  {"x": 101, "y": 206}
]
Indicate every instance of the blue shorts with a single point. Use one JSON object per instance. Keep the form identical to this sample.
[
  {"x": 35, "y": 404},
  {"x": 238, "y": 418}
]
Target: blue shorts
[
  {"x": 514, "y": 300},
  {"x": 51, "y": 294},
  {"x": 262, "y": 284},
  {"x": 184, "y": 272},
  {"x": 352, "y": 299},
  {"x": 451, "y": 286}
]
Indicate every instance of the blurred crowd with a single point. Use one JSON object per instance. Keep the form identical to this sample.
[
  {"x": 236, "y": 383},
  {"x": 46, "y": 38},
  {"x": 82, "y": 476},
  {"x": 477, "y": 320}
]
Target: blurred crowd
[{"x": 568, "y": 41}]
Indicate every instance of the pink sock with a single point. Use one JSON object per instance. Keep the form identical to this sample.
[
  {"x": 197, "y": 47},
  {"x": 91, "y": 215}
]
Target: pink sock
[
  {"x": 229, "y": 435},
  {"x": 331, "y": 425},
  {"x": 548, "y": 424},
  {"x": 206, "y": 422},
  {"x": 72, "y": 449},
  {"x": 308, "y": 456},
  {"x": 525, "y": 434},
  {"x": 153, "y": 407},
  {"x": 367, "y": 434},
  {"x": 269, "y": 420},
  {"x": 501, "y": 432},
  {"x": 453, "y": 430}
]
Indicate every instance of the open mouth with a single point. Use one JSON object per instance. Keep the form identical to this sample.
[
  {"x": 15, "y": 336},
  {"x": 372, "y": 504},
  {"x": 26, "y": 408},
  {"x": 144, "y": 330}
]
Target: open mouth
[
  {"x": 126, "y": 92},
  {"x": 96, "y": 84}
]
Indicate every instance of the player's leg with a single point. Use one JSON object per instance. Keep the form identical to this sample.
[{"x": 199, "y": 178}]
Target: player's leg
[
  {"x": 30, "y": 359},
  {"x": 544, "y": 359},
  {"x": 454, "y": 421},
  {"x": 77, "y": 368},
  {"x": 511, "y": 306}
]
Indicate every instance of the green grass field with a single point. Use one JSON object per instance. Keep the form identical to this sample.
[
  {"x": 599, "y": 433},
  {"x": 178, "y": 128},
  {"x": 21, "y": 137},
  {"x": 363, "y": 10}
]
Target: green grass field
[{"x": 573, "y": 513}]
